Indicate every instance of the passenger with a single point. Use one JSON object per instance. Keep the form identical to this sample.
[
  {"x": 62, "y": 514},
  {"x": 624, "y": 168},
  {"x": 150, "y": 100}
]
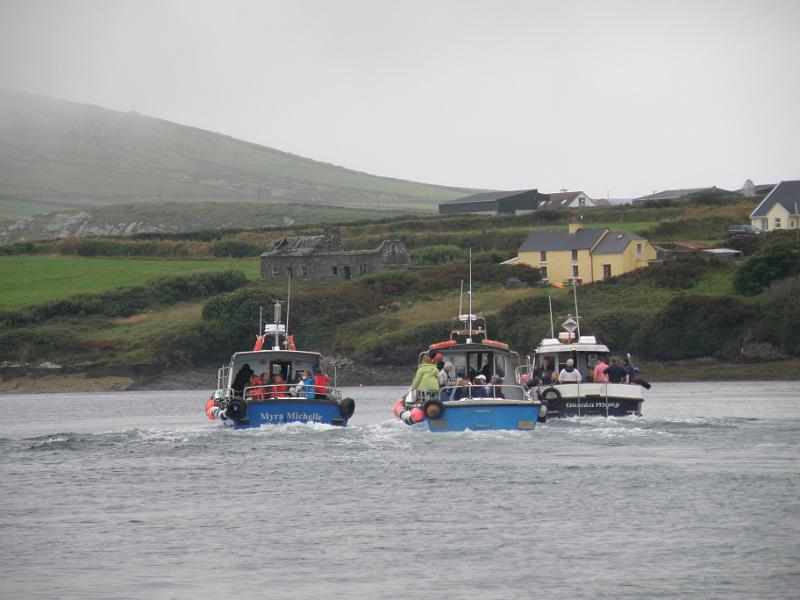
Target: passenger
[
  {"x": 438, "y": 360},
  {"x": 570, "y": 374},
  {"x": 630, "y": 369},
  {"x": 426, "y": 378},
  {"x": 308, "y": 385},
  {"x": 615, "y": 372},
  {"x": 257, "y": 391},
  {"x": 447, "y": 374},
  {"x": 321, "y": 381},
  {"x": 463, "y": 389},
  {"x": 547, "y": 373},
  {"x": 297, "y": 384},
  {"x": 279, "y": 386},
  {"x": 600, "y": 370},
  {"x": 497, "y": 387},
  {"x": 479, "y": 387}
]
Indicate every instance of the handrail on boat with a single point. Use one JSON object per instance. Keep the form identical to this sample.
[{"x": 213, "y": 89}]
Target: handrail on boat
[{"x": 288, "y": 391}]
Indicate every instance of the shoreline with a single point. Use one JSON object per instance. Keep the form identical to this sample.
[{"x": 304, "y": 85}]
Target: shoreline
[{"x": 154, "y": 378}]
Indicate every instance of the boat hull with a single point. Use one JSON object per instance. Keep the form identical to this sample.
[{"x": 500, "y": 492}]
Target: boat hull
[
  {"x": 486, "y": 415},
  {"x": 593, "y": 400},
  {"x": 282, "y": 411}
]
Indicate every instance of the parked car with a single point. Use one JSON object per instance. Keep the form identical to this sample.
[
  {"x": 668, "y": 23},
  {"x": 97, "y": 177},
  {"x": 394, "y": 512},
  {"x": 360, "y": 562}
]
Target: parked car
[{"x": 734, "y": 230}]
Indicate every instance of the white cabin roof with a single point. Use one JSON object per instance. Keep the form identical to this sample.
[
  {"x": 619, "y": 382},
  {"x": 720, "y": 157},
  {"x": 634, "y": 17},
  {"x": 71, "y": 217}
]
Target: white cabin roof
[{"x": 586, "y": 343}]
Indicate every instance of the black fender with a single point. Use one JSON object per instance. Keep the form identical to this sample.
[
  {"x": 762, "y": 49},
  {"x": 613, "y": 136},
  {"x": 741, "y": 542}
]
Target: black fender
[
  {"x": 347, "y": 406},
  {"x": 433, "y": 408},
  {"x": 642, "y": 383},
  {"x": 236, "y": 409},
  {"x": 549, "y": 395}
]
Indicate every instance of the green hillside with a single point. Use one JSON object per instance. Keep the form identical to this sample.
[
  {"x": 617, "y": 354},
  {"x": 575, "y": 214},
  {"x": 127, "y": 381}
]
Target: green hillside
[{"x": 56, "y": 154}]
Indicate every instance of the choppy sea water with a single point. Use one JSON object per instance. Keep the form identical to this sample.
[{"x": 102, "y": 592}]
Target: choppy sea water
[{"x": 138, "y": 495}]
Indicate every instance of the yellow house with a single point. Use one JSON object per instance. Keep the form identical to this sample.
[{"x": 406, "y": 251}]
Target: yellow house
[
  {"x": 591, "y": 254},
  {"x": 779, "y": 209}
]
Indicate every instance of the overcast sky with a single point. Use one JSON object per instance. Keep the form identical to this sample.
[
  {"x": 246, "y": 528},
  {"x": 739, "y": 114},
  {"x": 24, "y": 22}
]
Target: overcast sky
[{"x": 612, "y": 97}]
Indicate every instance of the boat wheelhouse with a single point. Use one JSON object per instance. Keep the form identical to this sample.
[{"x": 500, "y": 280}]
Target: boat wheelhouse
[{"x": 277, "y": 386}]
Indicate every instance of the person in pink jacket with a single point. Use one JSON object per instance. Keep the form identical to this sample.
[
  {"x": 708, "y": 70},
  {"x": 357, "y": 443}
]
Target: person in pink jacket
[{"x": 599, "y": 371}]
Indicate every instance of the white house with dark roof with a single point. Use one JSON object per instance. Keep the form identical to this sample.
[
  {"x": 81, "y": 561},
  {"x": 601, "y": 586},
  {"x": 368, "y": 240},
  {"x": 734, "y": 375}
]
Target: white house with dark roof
[
  {"x": 779, "y": 209},
  {"x": 569, "y": 200},
  {"x": 591, "y": 254}
]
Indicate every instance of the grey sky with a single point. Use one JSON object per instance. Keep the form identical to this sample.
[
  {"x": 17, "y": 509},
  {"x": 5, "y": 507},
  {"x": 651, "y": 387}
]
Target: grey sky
[{"x": 606, "y": 96}]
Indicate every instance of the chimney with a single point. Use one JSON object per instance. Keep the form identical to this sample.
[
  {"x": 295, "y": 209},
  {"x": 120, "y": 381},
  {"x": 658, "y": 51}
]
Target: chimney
[{"x": 573, "y": 227}]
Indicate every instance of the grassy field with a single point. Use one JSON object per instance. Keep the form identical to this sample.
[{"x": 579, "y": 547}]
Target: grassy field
[{"x": 31, "y": 280}]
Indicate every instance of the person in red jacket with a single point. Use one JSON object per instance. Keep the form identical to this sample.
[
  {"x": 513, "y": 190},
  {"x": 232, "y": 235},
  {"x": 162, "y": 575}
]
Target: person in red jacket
[
  {"x": 256, "y": 391},
  {"x": 278, "y": 386},
  {"x": 321, "y": 385}
]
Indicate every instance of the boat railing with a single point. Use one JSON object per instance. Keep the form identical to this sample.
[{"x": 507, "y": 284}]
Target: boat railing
[
  {"x": 497, "y": 391},
  {"x": 290, "y": 392},
  {"x": 222, "y": 377}
]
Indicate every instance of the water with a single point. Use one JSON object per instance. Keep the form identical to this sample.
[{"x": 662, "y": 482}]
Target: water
[{"x": 137, "y": 495}]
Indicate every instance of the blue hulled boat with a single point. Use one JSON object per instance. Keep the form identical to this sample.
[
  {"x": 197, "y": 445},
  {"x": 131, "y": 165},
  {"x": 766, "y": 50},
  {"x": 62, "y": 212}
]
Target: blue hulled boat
[
  {"x": 277, "y": 386},
  {"x": 488, "y": 395}
]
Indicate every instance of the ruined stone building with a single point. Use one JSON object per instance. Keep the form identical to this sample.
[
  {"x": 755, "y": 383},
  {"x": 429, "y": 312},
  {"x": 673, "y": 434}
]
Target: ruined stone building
[{"x": 325, "y": 257}]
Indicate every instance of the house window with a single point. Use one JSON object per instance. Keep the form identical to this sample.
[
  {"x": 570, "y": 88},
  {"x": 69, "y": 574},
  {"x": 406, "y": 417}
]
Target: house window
[
  {"x": 543, "y": 256},
  {"x": 574, "y": 255},
  {"x": 363, "y": 270},
  {"x": 335, "y": 271},
  {"x": 304, "y": 271},
  {"x": 275, "y": 270},
  {"x": 543, "y": 271},
  {"x": 638, "y": 248},
  {"x": 765, "y": 224},
  {"x": 606, "y": 271},
  {"x": 792, "y": 224},
  {"x": 777, "y": 223},
  {"x": 575, "y": 271}
]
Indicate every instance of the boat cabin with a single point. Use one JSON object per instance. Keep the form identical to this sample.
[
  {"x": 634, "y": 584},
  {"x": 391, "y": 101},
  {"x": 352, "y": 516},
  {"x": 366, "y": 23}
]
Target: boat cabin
[
  {"x": 285, "y": 363},
  {"x": 584, "y": 352}
]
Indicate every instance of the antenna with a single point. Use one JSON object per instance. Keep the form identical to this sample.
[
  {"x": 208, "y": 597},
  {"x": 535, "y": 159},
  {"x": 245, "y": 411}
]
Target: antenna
[
  {"x": 461, "y": 299},
  {"x": 575, "y": 294},
  {"x": 260, "y": 320},
  {"x": 550, "y": 304},
  {"x": 288, "y": 303},
  {"x": 277, "y": 322},
  {"x": 469, "y": 338}
]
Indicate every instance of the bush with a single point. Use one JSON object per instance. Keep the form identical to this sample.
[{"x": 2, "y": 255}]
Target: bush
[
  {"x": 235, "y": 249},
  {"x": 492, "y": 256},
  {"x": 691, "y": 326},
  {"x": 437, "y": 255},
  {"x": 765, "y": 266},
  {"x": 449, "y": 277},
  {"x": 779, "y": 319}
]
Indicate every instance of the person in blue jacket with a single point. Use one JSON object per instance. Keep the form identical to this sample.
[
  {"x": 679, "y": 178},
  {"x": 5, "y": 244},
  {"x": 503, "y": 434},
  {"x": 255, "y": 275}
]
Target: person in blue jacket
[{"x": 308, "y": 384}]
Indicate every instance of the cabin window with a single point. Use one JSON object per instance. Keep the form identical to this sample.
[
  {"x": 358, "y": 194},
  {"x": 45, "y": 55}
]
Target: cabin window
[
  {"x": 574, "y": 255},
  {"x": 275, "y": 270},
  {"x": 304, "y": 271},
  {"x": 543, "y": 256},
  {"x": 575, "y": 271},
  {"x": 335, "y": 271},
  {"x": 606, "y": 271}
]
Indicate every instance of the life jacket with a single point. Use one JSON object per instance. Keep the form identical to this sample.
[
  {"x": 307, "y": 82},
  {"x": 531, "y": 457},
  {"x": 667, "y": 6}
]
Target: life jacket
[
  {"x": 321, "y": 383},
  {"x": 279, "y": 389},
  {"x": 259, "y": 393}
]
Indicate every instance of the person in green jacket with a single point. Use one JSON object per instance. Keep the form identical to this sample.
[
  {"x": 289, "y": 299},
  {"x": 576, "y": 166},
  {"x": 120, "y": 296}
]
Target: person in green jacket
[{"x": 426, "y": 379}]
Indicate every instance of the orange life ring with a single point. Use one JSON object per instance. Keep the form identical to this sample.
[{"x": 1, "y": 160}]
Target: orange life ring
[
  {"x": 446, "y": 344},
  {"x": 496, "y": 344}
]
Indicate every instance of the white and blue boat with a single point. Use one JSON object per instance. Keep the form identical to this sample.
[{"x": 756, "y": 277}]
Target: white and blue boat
[
  {"x": 270, "y": 387},
  {"x": 502, "y": 403}
]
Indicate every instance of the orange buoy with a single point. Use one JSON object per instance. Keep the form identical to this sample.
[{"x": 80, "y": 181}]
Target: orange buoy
[{"x": 211, "y": 409}]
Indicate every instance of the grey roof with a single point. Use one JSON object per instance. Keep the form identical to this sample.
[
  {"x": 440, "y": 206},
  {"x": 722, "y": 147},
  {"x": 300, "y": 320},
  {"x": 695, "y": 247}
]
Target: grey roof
[
  {"x": 488, "y": 196},
  {"x": 583, "y": 239},
  {"x": 305, "y": 245},
  {"x": 682, "y": 193},
  {"x": 786, "y": 193},
  {"x": 616, "y": 242}
]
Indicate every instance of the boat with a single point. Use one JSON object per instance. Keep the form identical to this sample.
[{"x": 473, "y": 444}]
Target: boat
[
  {"x": 244, "y": 400},
  {"x": 584, "y": 398},
  {"x": 501, "y": 404}
]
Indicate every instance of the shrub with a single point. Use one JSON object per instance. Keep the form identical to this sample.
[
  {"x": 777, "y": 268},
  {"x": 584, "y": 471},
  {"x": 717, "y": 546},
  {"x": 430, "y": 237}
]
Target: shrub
[
  {"x": 492, "y": 256},
  {"x": 770, "y": 264},
  {"x": 437, "y": 255},
  {"x": 690, "y": 326},
  {"x": 235, "y": 249},
  {"x": 779, "y": 319}
]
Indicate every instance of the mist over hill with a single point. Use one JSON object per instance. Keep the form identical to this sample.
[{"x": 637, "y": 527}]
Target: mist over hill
[{"x": 58, "y": 156}]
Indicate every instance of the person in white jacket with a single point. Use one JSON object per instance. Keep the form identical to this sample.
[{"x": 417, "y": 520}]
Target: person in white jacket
[{"x": 570, "y": 374}]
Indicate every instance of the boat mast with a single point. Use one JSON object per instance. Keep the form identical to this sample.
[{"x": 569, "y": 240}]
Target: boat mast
[
  {"x": 577, "y": 317},
  {"x": 469, "y": 293},
  {"x": 288, "y": 306},
  {"x": 552, "y": 329},
  {"x": 277, "y": 327}
]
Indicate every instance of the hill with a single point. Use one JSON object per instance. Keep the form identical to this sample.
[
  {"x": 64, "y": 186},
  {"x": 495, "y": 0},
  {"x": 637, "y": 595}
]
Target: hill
[{"x": 59, "y": 155}]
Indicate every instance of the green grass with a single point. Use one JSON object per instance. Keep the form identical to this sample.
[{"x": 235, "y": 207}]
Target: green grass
[{"x": 35, "y": 279}]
